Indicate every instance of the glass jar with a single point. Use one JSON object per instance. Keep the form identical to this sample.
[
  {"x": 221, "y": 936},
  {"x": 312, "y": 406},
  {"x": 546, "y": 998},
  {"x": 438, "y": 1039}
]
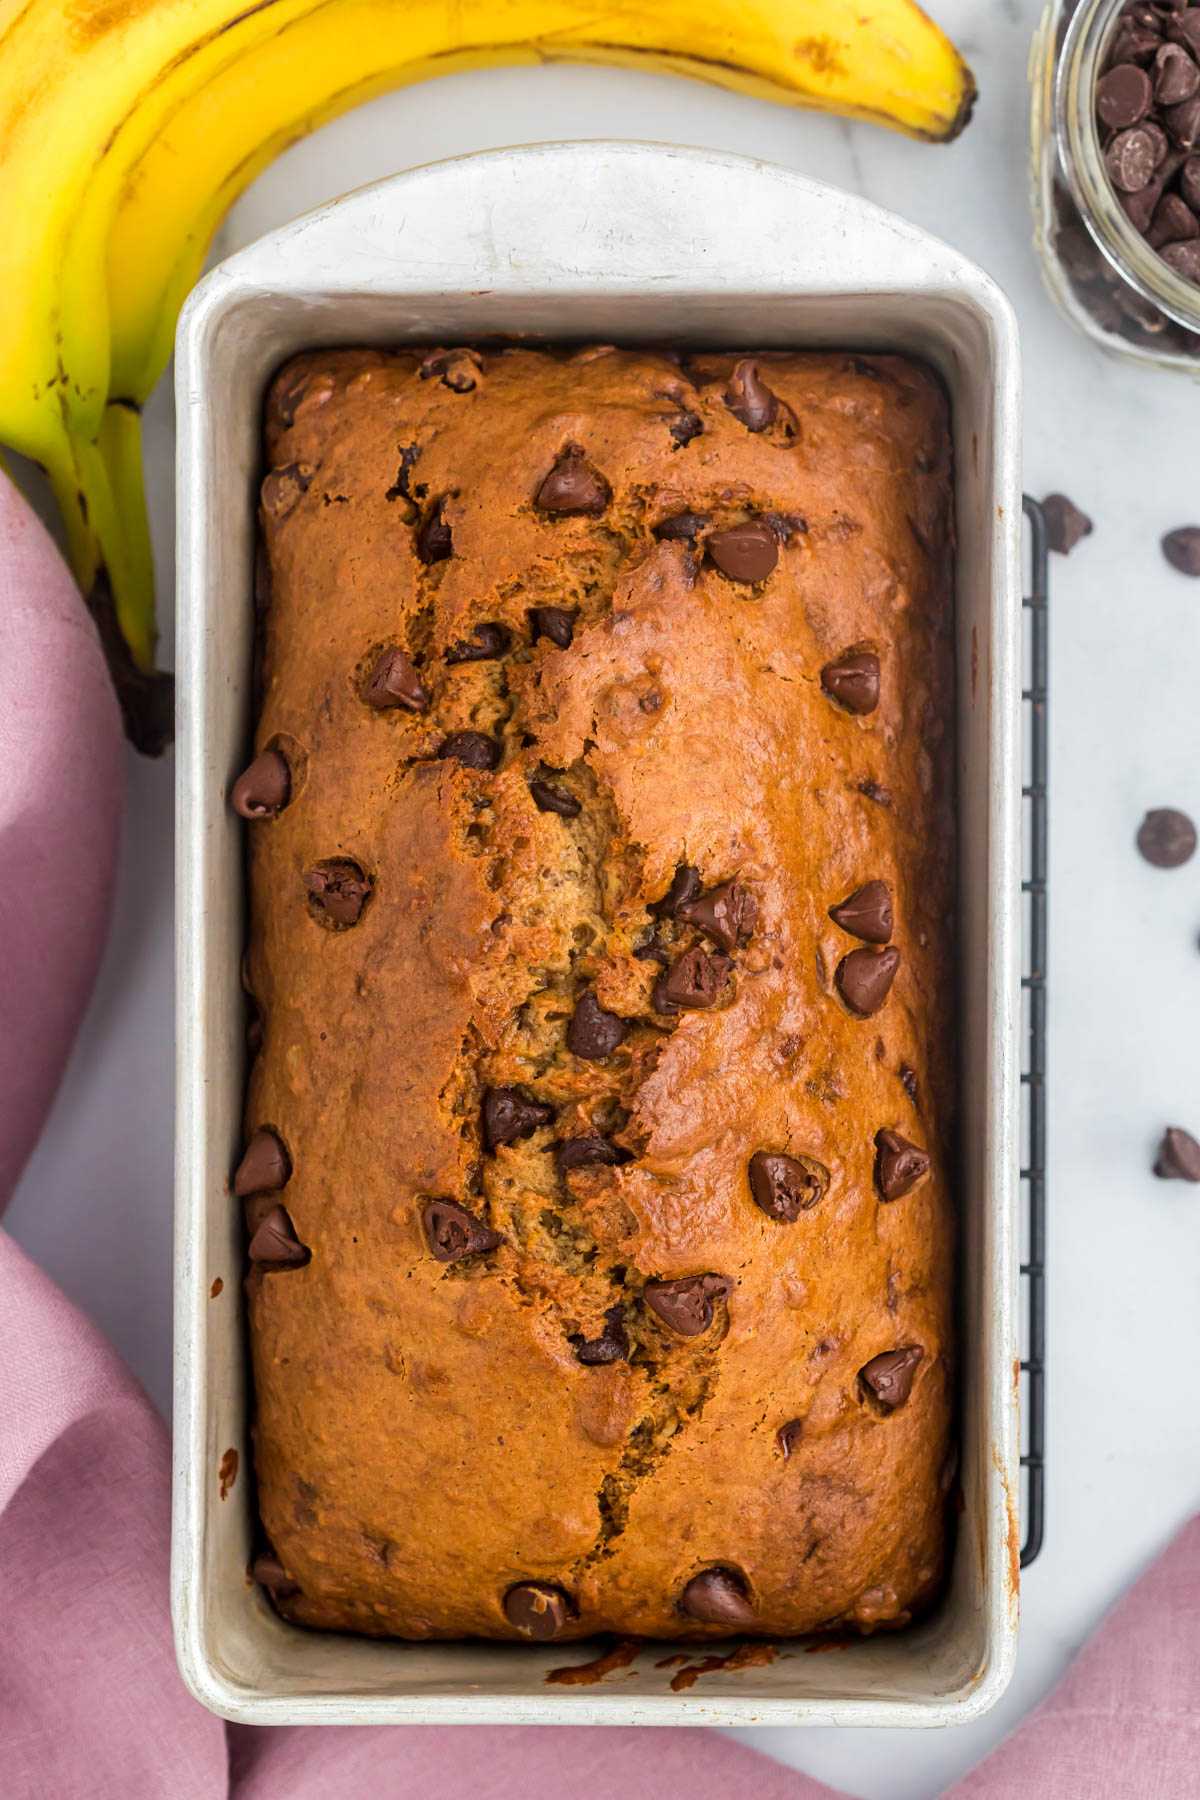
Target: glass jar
[{"x": 1104, "y": 275}]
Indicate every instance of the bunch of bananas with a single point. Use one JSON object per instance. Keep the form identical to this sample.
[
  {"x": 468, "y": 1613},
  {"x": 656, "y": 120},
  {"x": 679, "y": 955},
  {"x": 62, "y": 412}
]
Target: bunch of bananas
[{"x": 128, "y": 127}]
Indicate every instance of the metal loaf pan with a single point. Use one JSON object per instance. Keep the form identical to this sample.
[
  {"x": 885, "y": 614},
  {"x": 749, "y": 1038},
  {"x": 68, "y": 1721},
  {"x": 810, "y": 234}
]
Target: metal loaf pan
[{"x": 605, "y": 242}]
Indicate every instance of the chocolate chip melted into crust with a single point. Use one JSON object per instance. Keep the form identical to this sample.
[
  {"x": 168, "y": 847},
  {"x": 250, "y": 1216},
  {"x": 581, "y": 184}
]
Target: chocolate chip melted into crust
[{"x": 573, "y": 899}]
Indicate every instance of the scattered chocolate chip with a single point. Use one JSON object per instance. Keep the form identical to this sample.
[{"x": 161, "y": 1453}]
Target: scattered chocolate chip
[
  {"x": 457, "y": 368},
  {"x": 1181, "y": 548},
  {"x": 899, "y": 1165},
  {"x": 276, "y": 1242},
  {"x": 263, "y": 789},
  {"x": 400, "y": 489},
  {"x": 572, "y": 486},
  {"x": 786, "y": 526},
  {"x": 270, "y": 1573},
  {"x": 554, "y": 622},
  {"x": 888, "y": 1378},
  {"x": 452, "y": 1232},
  {"x": 1184, "y": 259},
  {"x": 1176, "y": 76},
  {"x": 1131, "y": 160},
  {"x": 265, "y": 1168},
  {"x": 508, "y": 1114},
  {"x": 867, "y": 914},
  {"x": 686, "y": 1305},
  {"x": 553, "y": 800},
  {"x": 746, "y": 553},
  {"x": 685, "y": 426},
  {"x": 1166, "y": 838},
  {"x": 682, "y": 528},
  {"x": 1178, "y": 1156},
  {"x": 474, "y": 749},
  {"x": 725, "y": 913},
  {"x": 788, "y": 1436},
  {"x": 865, "y": 977},
  {"x": 684, "y": 888},
  {"x": 434, "y": 542},
  {"x": 785, "y": 1186},
  {"x": 394, "y": 682},
  {"x": 490, "y": 641},
  {"x": 853, "y": 681},
  {"x": 695, "y": 982},
  {"x": 337, "y": 892},
  {"x": 653, "y": 951},
  {"x": 593, "y": 1033},
  {"x": 538, "y": 1611},
  {"x": 586, "y": 1152},
  {"x": 749, "y": 399},
  {"x": 1065, "y": 524},
  {"x": 283, "y": 489},
  {"x": 909, "y": 1079},
  {"x": 611, "y": 1346},
  {"x": 1123, "y": 96},
  {"x": 718, "y": 1597}
]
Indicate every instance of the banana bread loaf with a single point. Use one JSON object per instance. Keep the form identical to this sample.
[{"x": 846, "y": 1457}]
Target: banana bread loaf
[{"x": 601, "y": 867}]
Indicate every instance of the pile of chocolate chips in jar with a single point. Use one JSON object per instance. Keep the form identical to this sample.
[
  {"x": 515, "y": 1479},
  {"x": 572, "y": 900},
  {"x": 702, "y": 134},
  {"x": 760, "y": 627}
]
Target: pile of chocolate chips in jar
[{"x": 1148, "y": 119}]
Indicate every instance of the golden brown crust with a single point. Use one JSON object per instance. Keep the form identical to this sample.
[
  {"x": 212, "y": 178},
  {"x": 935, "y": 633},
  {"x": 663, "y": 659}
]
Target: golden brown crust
[{"x": 428, "y": 1437}]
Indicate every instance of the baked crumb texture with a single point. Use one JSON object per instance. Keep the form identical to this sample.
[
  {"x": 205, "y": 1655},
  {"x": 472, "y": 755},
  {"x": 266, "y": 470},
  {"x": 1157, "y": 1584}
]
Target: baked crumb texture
[{"x": 537, "y": 1351}]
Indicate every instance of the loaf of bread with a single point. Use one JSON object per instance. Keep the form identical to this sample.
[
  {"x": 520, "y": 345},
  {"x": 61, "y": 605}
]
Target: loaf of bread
[{"x": 601, "y": 881}]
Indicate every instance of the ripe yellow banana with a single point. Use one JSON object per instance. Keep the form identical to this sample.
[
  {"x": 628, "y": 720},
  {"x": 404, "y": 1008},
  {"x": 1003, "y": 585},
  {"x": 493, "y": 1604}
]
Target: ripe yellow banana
[{"x": 127, "y": 130}]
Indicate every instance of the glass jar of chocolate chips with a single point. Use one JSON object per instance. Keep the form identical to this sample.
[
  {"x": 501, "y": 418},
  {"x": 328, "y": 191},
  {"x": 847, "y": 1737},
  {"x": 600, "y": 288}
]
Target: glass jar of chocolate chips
[{"x": 1116, "y": 172}]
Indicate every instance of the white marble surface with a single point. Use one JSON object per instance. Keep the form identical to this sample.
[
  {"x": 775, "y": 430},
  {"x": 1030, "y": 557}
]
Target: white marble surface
[{"x": 1124, "y": 1432}]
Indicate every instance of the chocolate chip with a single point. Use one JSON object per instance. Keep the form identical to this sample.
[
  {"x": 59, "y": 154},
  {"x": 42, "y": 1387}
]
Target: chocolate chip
[
  {"x": 276, "y": 1242},
  {"x": 508, "y": 1114},
  {"x": 1166, "y": 838},
  {"x": 867, "y": 914},
  {"x": 684, "y": 888},
  {"x": 908, "y": 1077},
  {"x": 871, "y": 790},
  {"x": 283, "y": 489},
  {"x": 1130, "y": 159},
  {"x": 1174, "y": 222},
  {"x": 1139, "y": 210},
  {"x": 1182, "y": 549},
  {"x": 474, "y": 749},
  {"x": 490, "y": 641},
  {"x": 695, "y": 982},
  {"x": 1065, "y": 524},
  {"x": 1183, "y": 122},
  {"x": 611, "y": 1346},
  {"x": 853, "y": 681},
  {"x": 686, "y": 426},
  {"x": 265, "y": 1168},
  {"x": 538, "y": 1611},
  {"x": 1123, "y": 96},
  {"x": 725, "y": 913},
  {"x": 749, "y": 399},
  {"x": 593, "y": 1033},
  {"x": 394, "y": 682},
  {"x": 1178, "y": 1156},
  {"x": 1184, "y": 28},
  {"x": 263, "y": 789},
  {"x": 1189, "y": 176},
  {"x": 786, "y": 526},
  {"x": 572, "y": 486},
  {"x": 270, "y": 1573},
  {"x": 554, "y": 622},
  {"x": 686, "y": 1305},
  {"x": 457, "y": 368},
  {"x": 585, "y": 1152},
  {"x": 718, "y": 1597},
  {"x": 1184, "y": 259},
  {"x": 785, "y": 1186},
  {"x": 1176, "y": 76},
  {"x": 788, "y": 1436},
  {"x": 337, "y": 892},
  {"x": 899, "y": 1165},
  {"x": 408, "y": 456},
  {"x": 653, "y": 951},
  {"x": 682, "y": 528},
  {"x": 434, "y": 543},
  {"x": 452, "y": 1232},
  {"x": 553, "y": 800},
  {"x": 888, "y": 1378},
  {"x": 865, "y": 977},
  {"x": 746, "y": 553}
]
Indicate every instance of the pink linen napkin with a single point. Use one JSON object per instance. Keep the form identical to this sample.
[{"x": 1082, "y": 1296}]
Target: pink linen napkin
[{"x": 91, "y": 1704}]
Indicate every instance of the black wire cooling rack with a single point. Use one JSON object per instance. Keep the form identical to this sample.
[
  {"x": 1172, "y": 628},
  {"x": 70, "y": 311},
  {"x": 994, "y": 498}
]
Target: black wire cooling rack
[{"x": 1033, "y": 1077}]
